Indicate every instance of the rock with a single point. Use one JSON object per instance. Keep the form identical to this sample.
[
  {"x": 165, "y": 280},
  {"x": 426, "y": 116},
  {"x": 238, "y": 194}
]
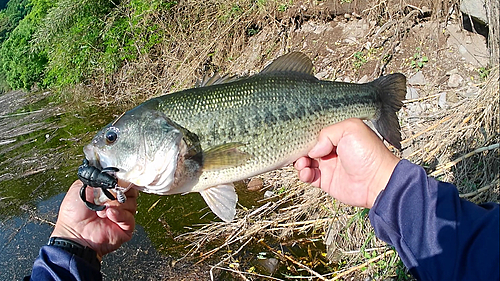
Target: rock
[
  {"x": 314, "y": 27},
  {"x": 462, "y": 50},
  {"x": 455, "y": 81},
  {"x": 411, "y": 93},
  {"x": 414, "y": 109},
  {"x": 442, "y": 100},
  {"x": 453, "y": 71},
  {"x": 351, "y": 40},
  {"x": 471, "y": 92},
  {"x": 268, "y": 194},
  {"x": 475, "y": 9},
  {"x": 321, "y": 75},
  {"x": 471, "y": 46},
  {"x": 270, "y": 265},
  {"x": 426, "y": 11},
  {"x": 363, "y": 79},
  {"x": 255, "y": 184},
  {"x": 417, "y": 79}
]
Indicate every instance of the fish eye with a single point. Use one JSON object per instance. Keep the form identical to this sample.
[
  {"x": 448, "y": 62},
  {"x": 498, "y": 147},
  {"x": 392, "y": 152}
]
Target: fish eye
[{"x": 111, "y": 137}]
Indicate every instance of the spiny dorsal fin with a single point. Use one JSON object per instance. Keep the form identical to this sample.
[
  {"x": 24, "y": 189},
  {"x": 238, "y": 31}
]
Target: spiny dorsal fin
[
  {"x": 224, "y": 156},
  {"x": 216, "y": 79},
  {"x": 292, "y": 62}
]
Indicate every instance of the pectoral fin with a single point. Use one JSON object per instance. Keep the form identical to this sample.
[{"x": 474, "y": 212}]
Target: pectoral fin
[
  {"x": 222, "y": 200},
  {"x": 224, "y": 156}
]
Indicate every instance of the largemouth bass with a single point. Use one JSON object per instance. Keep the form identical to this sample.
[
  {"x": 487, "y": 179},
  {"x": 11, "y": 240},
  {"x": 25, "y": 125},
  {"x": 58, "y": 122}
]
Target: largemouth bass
[{"x": 203, "y": 139}]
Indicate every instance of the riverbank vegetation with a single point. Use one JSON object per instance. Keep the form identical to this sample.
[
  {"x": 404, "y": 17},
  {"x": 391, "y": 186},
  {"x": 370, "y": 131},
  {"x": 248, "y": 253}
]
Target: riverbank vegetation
[{"x": 123, "y": 52}]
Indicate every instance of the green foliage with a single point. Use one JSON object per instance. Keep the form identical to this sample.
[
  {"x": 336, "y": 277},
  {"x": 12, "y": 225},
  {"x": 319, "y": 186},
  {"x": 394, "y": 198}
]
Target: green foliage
[
  {"x": 418, "y": 60},
  {"x": 71, "y": 37},
  {"x": 282, "y": 7},
  {"x": 483, "y": 72},
  {"x": 15, "y": 11},
  {"x": 134, "y": 33},
  {"x": 359, "y": 59},
  {"x": 92, "y": 38},
  {"x": 22, "y": 66},
  {"x": 68, "y": 42}
]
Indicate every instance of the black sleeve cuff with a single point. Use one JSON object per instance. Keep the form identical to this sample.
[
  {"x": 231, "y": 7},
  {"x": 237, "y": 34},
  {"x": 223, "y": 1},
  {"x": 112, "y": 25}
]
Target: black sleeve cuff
[{"x": 76, "y": 249}]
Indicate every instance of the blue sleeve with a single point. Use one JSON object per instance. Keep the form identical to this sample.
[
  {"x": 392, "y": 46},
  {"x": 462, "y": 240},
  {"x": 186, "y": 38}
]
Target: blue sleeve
[
  {"x": 54, "y": 263},
  {"x": 437, "y": 235}
]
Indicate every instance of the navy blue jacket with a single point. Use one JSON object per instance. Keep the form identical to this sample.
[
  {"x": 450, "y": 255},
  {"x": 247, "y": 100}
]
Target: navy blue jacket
[
  {"x": 437, "y": 235},
  {"x": 54, "y": 263}
]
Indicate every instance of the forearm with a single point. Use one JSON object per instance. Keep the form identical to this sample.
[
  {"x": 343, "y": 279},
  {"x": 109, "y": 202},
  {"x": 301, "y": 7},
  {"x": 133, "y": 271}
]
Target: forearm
[{"x": 438, "y": 235}]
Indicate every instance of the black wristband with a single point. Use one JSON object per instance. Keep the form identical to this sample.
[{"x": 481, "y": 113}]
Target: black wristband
[{"x": 76, "y": 249}]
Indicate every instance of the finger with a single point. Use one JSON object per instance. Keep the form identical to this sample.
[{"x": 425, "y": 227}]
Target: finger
[
  {"x": 302, "y": 163},
  {"x": 74, "y": 190},
  {"x": 73, "y": 203},
  {"x": 124, "y": 219},
  {"x": 305, "y": 162},
  {"x": 130, "y": 205},
  {"x": 76, "y": 185},
  {"x": 306, "y": 175},
  {"x": 132, "y": 193},
  {"x": 322, "y": 148},
  {"x": 311, "y": 176},
  {"x": 330, "y": 136}
]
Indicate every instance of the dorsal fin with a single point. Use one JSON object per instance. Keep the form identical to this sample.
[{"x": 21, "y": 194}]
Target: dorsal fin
[
  {"x": 292, "y": 62},
  {"x": 216, "y": 79}
]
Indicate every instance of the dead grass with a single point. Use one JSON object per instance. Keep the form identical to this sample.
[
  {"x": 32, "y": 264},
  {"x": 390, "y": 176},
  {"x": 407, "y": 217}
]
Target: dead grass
[
  {"x": 198, "y": 38},
  {"x": 460, "y": 145},
  {"x": 202, "y": 37}
]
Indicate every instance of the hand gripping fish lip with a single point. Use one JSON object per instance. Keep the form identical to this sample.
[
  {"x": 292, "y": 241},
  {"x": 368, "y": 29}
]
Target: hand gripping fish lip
[{"x": 103, "y": 179}]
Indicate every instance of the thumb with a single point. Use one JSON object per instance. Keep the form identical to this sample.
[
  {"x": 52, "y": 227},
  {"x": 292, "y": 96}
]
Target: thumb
[
  {"x": 329, "y": 137},
  {"x": 322, "y": 148}
]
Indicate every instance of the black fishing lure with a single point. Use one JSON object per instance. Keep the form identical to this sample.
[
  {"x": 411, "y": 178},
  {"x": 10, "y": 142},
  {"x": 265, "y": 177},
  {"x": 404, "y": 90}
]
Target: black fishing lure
[{"x": 103, "y": 179}]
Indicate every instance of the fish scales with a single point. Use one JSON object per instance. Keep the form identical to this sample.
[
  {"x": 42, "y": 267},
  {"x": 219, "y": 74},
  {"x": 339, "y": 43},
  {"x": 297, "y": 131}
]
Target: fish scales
[
  {"x": 284, "y": 111},
  {"x": 203, "y": 139}
]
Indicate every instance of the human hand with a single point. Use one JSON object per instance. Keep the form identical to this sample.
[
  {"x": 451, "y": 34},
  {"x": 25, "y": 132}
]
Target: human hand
[
  {"x": 349, "y": 162},
  {"x": 103, "y": 231}
]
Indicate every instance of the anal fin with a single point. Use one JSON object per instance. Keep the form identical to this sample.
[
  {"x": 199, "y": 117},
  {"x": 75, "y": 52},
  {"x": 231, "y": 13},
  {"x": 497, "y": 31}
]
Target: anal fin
[{"x": 222, "y": 200}]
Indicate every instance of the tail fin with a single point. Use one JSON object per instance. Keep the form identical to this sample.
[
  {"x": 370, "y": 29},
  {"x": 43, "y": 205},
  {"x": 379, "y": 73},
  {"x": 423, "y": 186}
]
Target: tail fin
[{"x": 391, "y": 91}]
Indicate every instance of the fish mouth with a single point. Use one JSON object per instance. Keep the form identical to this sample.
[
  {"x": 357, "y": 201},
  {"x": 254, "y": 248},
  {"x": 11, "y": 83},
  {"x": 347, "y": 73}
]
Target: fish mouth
[
  {"x": 95, "y": 159},
  {"x": 91, "y": 156}
]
